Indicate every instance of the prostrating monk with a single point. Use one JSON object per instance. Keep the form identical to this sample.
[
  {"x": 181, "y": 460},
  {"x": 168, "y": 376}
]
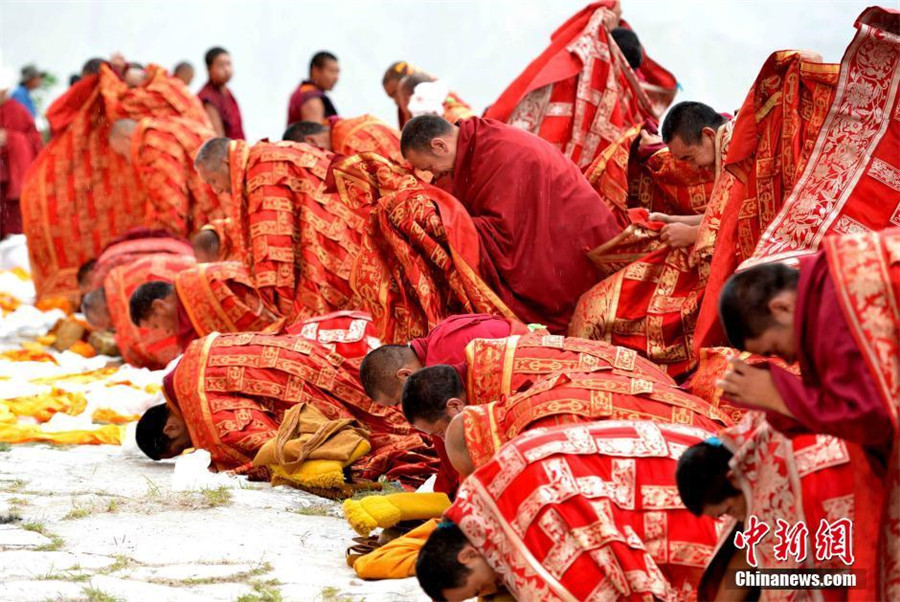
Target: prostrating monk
[
  {"x": 423, "y": 94},
  {"x": 391, "y": 84},
  {"x": 20, "y": 143},
  {"x": 162, "y": 153},
  {"x": 580, "y": 94},
  {"x": 577, "y": 512},
  {"x": 298, "y": 240},
  {"x": 108, "y": 308},
  {"x": 217, "y": 99},
  {"x": 211, "y": 297},
  {"x": 384, "y": 370},
  {"x": 805, "y": 492},
  {"x": 125, "y": 249},
  {"x": 435, "y": 402},
  {"x": 80, "y": 195},
  {"x": 536, "y": 215},
  {"x": 229, "y": 392},
  {"x": 309, "y": 101},
  {"x": 351, "y": 136}
]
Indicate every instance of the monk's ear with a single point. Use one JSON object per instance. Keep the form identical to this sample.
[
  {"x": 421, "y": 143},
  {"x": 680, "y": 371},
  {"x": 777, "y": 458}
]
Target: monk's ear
[
  {"x": 468, "y": 555},
  {"x": 783, "y": 304},
  {"x": 455, "y": 406},
  {"x": 708, "y": 131},
  {"x": 439, "y": 146},
  {"x": 403, "y": 374},
  {"x": 158, "y": 306},
  {"x": 732, "y": 478}
]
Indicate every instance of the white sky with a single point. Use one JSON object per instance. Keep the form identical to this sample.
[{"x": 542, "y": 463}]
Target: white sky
[{"x": 714, "y": 47}]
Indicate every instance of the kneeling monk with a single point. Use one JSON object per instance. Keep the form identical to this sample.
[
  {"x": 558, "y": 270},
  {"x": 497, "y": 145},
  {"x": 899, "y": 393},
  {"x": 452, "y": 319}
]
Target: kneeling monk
[
  {"x": 229, "y": 393},
  {"x": 581, "y": 512},
  {"x": 349, "y": 136},
  {"x": 536, "y": 215}
]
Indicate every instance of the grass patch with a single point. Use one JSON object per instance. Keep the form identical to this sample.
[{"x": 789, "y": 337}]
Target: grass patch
[
  {"x": 315, "y": 510},
  {"x": 79, "y": 511},
  {"x": 122, "y": 562},
  {"x": 216, "y": 497},
  {"x": 36, "y": 526},
  {"x": 12, "y": 486},
  {"x": 332, "y": 594},
  {"x": 71, "y": 574},
  {"x": 55, "y": 543},
  {"x": 93, "y": 594},
  {"x": 18, "y": 501},
  {"x": 5, "y": 447},
  {"x": 10, "y": 517},
  {"x": 113, "y": 506},
  {"x": 263, "y": 591}
]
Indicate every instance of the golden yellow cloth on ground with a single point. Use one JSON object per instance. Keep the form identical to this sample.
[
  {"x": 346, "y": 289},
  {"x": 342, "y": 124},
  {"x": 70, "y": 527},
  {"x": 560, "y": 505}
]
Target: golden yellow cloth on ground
[
  {"x": 111, "y": 434},
  {"x": 397, "y": 558},
  {"x": 42, "y": 407},
  {"x": 385, "y": 511}
]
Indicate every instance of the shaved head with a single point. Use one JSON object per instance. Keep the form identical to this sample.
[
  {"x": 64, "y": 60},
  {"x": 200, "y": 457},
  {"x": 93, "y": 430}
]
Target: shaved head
[
  {"x": 211, "y": 164},
  {"x": 94, "y": 308},
  {"x": 383, "y": 371},
  {"x": 120, "y": 136},
  {"x": 409, "y": 83}
]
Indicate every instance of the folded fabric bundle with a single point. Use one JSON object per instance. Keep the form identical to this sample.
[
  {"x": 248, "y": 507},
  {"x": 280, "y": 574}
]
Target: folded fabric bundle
[
  {"x": 397, "y": 558},
  {"x": 385, "y": 511}
]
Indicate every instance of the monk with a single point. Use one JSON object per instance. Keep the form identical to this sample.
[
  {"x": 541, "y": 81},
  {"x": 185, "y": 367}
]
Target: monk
[
  {"x": 422, "y": 94},
  {"x": 384, "y": 370},
  {"x": 536, "y": 216},
  {"x": 220, "y": 104},
  {"x": 229, "y": 392},
  {"x": 756, "y": 477},
  {"x": 580, "y": 512},
  {"x": 435, "y": 402},
  {"x": 391, "y": 84},
  {"x": 309, "y": 102},
  {"x": 298, "y": 240},
  {"x": 185, "y": 72},
  {"x": 215, "y": 297},
  {"x": 216, "y": 242},
  {"x": 162, "y": 151},
  {"x": 20, "y": 143},
  {"x": 348, "y": 136},
  {"x": 106, "y": 308},
  {"x": 581, "y": 94}
]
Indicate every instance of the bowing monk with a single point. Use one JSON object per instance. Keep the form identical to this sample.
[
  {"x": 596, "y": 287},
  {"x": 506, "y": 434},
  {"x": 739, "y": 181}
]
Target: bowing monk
[
  {"x": 535, "y": 214},
  {"x": 579, "y": 512},
  {"x": 229, "y": 392},
  {"x": 20, "y": 143},
  {"x": 348, "y": 136},
  {"x": 297, "y": 239},
  {"x": 162, "y": 151},
  {"x": 215, "y": 242},
  {"x": 216, "y": 297}
]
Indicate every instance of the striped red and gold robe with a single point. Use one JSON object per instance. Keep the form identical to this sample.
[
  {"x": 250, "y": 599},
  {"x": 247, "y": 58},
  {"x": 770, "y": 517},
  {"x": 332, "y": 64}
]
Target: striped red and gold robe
[{"x": 365, "y": 134}]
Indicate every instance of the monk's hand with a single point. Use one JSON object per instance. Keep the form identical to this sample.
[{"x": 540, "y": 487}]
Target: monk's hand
[
  {"x": 2, "y": 137},
  {"x": 659, "y": 217},
  {"x": 750, "y": 386},
  {"x": 648, "y": 139},
  {"x": 678, "y": 235}
]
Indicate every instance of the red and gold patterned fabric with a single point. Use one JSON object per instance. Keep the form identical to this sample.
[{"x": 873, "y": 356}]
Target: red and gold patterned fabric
[
  {"x": 455, "y": 108},
  {"x": 233, "y": 390},
  {"x": 852, "y": 178},
  {"x": 574, "y": 397},
  {"x": 806, "y": 478},
  {"x": 656, "y": 183},
  {"x": 420, "y": 252},
  {"x": 298, "y": 240},
  {"x": 139, "y": 346},
  {"x": 866, "y": 269},
  {"x": 497, "y": 368},
  {"x": 348, "y": 333},
  {"x": 79, "y": 194},
  {"x": 365, "y": 134},
  {"x": 131, "y": 249},
  {"x": 588, "y": 512},
  {"x": 162, "y": 151},
  {"x": 219, "y": 297},
  {"x": 580, "y": 93}
]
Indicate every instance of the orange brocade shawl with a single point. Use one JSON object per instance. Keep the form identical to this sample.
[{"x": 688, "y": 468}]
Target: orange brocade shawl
[
  {"x": 297, "y": 239},
  {"x": 580, "y": 93},
  {"x": 588, "y": 512},
  {"x": 420, "y": 250},
  {"x": 583, "y": 397},
  {"x": 219, "y": 297},
  {"x": 365, "y": 134},
  {"x": 141, "y": 347},
  {"x": 233, "y": 390},
  {"x": 78, "y": 194}
]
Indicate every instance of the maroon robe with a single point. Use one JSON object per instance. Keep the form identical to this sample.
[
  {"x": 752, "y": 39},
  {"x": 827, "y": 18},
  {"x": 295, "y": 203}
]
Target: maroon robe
[
  {"x": 837, "y": 394},
  {"x": 224, "y": 102},
  {"x": 537, "y": 218},
  {"x": 446, "y": 344},
  {"x": 304, "y": 92},
  {"x": 23, "y": 143}
]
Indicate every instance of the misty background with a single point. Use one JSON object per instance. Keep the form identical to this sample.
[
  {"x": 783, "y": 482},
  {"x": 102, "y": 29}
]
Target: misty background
[{"x": 714, "y": 47}]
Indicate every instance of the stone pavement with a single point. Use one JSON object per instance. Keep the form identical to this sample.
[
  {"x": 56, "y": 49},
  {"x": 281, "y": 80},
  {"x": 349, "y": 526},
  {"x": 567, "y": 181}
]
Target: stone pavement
[{"x": 91, "y": 523}]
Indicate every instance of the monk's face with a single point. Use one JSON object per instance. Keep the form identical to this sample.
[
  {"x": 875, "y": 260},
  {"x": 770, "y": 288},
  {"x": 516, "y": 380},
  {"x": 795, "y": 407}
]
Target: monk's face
[
  {"x": 218, "y": 177},
  {"x": 163, "y": 315},
  {"x": 779, "y": 339},
  {"x": 481, "y": 580},
  {"x": 734, "y": 506},
  {"x": 439, "y": 159},
  {"x": 390, "y": 88},
  {"x": 699, "y": 154},
  {"x": 326, "y": 76},
  {"x": 220, "y": 71},
  {"x": 179, "y": 436}
]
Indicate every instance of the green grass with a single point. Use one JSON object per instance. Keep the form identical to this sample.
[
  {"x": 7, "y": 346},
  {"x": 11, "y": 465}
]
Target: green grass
[
  {"x": 55, "y": 543},
  {"x": 12, "y": 486},
  {"x": 263, "y": 591},
  {"x": 332, "y": 594},
  {"x": 79, "y": 511},
  {"x": 36, "y": 526},
  {"x": 314, "y": 510},
  {"x": 216, "y": 497},
  {"x": 10, "y": 517},
  {"x": 122, "y": 562},
  {"x": 5, "y": 447},
  {"x": 113, "y": 506},
  {"x": 92, "y": 594},
  {"x": 18, "y": 501}
]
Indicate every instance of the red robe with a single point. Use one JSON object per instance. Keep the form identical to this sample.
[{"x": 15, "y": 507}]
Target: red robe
[
  {"x": 305, "y": 92},
  {"x": 537, "y": 217},
  {"x": 226, "y": 104},
  {"x": 23, "y": 143},
  {"x": 135, "y": 244},
  {"x": 446, "y": 344}
]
